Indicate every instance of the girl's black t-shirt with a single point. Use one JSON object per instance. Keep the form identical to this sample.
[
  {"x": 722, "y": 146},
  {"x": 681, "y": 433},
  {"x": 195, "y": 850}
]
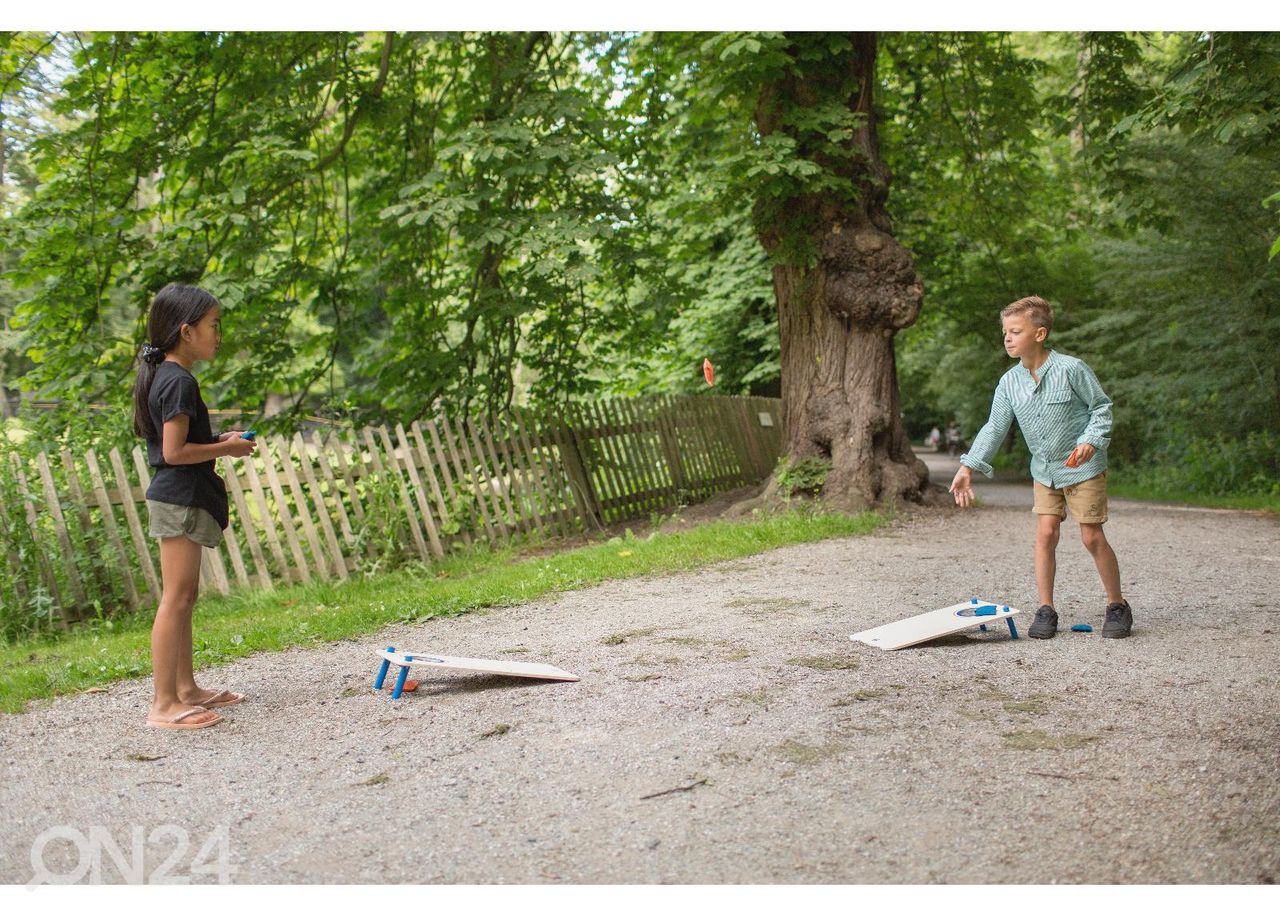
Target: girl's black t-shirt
[{"x": 175, "y": 391}]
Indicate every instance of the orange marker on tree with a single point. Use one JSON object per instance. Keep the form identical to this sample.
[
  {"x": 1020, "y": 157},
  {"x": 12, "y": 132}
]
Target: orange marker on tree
[{"x": 709, "y": 371}]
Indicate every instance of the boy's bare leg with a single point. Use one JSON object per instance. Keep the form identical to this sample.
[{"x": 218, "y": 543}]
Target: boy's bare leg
[
  {"x": 1047, "y": 533},
  {"x": 1095, "y": 541}
]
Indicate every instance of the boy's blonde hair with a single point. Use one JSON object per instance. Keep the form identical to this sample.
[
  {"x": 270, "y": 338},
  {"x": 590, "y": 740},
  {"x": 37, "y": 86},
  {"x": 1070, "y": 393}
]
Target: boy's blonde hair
[{"x": 1035, "y": 308}]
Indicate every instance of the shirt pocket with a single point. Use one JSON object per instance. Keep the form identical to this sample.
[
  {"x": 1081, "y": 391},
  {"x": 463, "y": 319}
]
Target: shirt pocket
[{"x": 1058, "y": 406}]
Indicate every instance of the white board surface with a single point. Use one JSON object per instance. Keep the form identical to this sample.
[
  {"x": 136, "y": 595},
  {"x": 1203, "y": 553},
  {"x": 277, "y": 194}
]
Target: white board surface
[
  {"x": 485, "y": 665},
  {"x": 932, "y": 624}
]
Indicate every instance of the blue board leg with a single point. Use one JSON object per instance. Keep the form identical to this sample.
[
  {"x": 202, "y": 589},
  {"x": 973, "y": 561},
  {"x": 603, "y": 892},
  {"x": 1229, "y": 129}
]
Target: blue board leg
[
  {"x": 382, "y": 671},
  {"x": 1013, "y": 631},
  {"x": 982, "y": 627},
  {"x": 400, "y": 679}
]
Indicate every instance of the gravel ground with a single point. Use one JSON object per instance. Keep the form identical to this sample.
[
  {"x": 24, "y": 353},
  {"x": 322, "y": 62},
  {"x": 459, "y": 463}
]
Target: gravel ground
[{"x": 786, "y": 752}]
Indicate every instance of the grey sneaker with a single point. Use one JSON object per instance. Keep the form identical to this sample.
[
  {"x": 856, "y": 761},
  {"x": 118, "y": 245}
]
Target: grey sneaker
[
  {"x": 1119, "y": 621},
  {"x": 1045, "y": 624}
]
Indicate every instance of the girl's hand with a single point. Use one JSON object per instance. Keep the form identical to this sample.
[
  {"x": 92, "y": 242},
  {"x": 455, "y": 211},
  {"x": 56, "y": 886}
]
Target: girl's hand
[
  {"x": 1080, "y": 454},
  {"x": 236, "y": 447},
  {"x": 962, "y": 487}
]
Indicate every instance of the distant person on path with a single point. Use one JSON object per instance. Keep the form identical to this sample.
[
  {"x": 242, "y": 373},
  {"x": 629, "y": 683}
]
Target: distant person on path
[
  {"x": 953, "y": 438},
  {"x": 934, "y": 440},
  {"x": 1065, "y": 417},
  {"x": 187, "y": 500}
]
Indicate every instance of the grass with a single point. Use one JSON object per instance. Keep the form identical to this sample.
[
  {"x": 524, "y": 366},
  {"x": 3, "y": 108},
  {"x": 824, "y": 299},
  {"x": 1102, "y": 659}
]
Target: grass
[
  {"x": 617, "y": 639},
  {"x": 1036, "y": 705},
  {"x": 759, "y": 696},
  {"x": 238, "y": 625},
  {"x": 1127, "y": 486},
  {"x": 1150, "y": 493},
  {"x": 805, "y": 754}
]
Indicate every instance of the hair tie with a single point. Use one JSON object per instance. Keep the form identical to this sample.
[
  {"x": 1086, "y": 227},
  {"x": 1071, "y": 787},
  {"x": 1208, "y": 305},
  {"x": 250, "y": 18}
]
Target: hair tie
[{"x": 152, "y": 355}]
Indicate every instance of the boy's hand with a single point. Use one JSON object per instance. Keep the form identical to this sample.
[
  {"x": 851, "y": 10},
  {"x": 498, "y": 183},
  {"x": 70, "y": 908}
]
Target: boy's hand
[
  {"x": 1080, "y": 454},
  {"x": 962, "y": 487}
]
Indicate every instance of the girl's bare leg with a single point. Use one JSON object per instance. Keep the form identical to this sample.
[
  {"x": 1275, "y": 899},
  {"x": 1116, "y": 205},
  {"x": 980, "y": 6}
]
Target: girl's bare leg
[
  {"x": 171, "y": 632},
  {"x": 188, "y": 690}
]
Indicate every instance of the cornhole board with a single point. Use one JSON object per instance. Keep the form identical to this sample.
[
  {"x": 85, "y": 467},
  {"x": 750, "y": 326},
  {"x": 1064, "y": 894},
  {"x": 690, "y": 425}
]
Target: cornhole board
[
  {"x": 976, "y": 612},
  {"x": 405, "y": 660}
]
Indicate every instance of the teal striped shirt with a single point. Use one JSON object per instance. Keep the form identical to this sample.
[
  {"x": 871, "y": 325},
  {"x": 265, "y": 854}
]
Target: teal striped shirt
[{"x": 1067, "y": 408}]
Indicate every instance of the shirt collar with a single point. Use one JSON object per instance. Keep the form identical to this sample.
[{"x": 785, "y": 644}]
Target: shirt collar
[{"x": 1044, "y": 367}]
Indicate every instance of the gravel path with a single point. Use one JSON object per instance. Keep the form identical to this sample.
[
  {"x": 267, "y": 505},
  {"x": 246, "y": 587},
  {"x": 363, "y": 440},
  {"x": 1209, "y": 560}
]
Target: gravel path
[{"x": 786, "y": 752}]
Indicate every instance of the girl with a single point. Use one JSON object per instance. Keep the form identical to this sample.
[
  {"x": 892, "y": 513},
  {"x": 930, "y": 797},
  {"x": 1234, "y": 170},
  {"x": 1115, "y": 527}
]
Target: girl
[{"x": 187, "y": 499}]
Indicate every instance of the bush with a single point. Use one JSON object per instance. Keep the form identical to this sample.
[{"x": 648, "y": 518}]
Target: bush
[
  {"x": 52, "y": 576},
  {"x": 1215, "y": 466},
  {"x": 804, "y": 476}
]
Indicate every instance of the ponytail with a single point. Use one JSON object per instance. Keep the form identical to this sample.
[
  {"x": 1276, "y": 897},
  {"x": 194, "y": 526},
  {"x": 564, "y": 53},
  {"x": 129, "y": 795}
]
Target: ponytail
[
  {"x": 143, "y": 425},
  {"x": 174, "y": 306}
]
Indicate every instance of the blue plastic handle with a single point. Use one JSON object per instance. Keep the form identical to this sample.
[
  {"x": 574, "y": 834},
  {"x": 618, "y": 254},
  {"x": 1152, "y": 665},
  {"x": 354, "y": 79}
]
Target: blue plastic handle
[{"x": 249, "y": 435}]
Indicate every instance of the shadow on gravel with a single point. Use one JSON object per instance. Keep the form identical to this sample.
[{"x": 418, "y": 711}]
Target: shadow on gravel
[
  {"x": 476, "y": 684},
  {"x": 962, "y": 639}
]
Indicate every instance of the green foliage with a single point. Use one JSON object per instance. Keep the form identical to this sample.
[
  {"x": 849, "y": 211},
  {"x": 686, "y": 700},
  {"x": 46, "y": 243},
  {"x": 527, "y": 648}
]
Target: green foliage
[
  {"x": 388, "y": 219},
  {"x": 1221, "y": 86},
  {"x": 1184, "y": 324},
  {"x": 32, "y": 555},
  {"x": 1272, "y": 201},
  {"x": 974, "y": 195},
  {"x": 805, "y": 476},
  {"x": 27, "y": 607},
  {"x": 702, "y": 287},
  {"x": 1218, "y": 465},
  {"x": 980, "y": 196},
  {"x": 1165, "y": 289},
  {"x": 25, "y": 92},
  {"x": 396, "y": 220},
  {"x": 384, "y": 544}
]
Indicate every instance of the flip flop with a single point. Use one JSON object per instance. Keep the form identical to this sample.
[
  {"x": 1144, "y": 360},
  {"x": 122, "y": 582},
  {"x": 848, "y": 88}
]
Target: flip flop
[
  {"x": 223, "y": 698},
  {"x": 176, "y": 721}
]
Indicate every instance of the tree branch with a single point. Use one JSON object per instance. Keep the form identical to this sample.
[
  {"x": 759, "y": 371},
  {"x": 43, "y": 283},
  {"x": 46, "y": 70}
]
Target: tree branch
[{"x": 374, "y": 93}]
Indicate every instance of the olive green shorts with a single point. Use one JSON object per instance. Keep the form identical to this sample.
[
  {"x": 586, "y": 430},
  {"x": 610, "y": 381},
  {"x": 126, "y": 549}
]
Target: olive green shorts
[
  {"x": 1087, "y": 500},
  {"x": 171, "y": 521}
]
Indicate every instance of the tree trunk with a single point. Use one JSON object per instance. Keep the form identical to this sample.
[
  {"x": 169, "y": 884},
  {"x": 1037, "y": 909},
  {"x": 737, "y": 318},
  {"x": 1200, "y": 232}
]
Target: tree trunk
[{"x": 840, "y": 307}]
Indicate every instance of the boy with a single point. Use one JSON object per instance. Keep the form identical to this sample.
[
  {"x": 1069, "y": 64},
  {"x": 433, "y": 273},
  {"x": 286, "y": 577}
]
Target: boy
[{"x": 1065, "y": 418}]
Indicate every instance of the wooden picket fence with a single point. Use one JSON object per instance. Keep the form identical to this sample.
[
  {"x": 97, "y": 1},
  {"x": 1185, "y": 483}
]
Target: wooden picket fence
[{"x": 335, "y": 503}]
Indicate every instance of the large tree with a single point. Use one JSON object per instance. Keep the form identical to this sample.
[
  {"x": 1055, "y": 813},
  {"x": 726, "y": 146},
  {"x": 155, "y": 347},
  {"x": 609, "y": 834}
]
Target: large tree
[
  {"x": 786, "y": 123},
  {"x": 844, "y": 284}
]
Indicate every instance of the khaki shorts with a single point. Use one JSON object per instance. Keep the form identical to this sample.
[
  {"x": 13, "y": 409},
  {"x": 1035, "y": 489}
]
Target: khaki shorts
[
  {"x": 1087, "y": 499},
  {"x": 170, "y": 521}
]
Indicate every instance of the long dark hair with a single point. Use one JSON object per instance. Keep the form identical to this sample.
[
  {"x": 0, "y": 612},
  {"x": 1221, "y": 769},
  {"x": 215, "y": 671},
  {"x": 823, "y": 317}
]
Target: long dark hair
[{"x": 173, "y": 306}]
